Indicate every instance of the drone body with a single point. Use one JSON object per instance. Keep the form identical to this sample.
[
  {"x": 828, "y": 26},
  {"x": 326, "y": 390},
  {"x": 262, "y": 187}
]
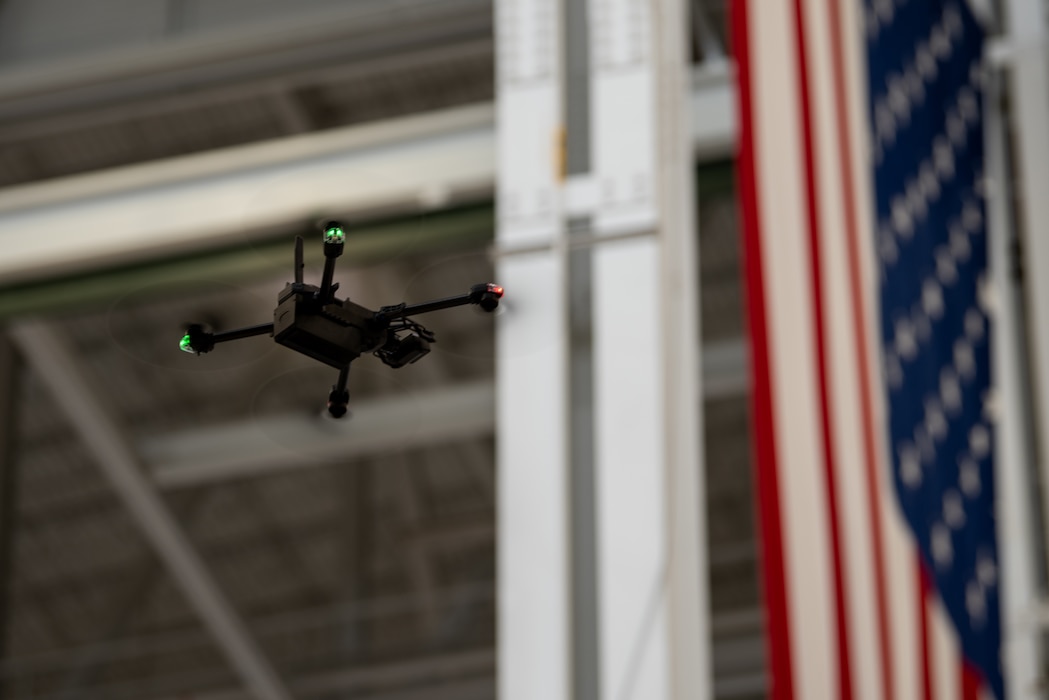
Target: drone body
[
  {"x": 312, "y": 321},
  {"x": 335, "y": 333}
]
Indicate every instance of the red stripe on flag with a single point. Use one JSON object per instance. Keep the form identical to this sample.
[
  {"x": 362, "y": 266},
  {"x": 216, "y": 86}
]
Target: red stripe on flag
[
  {"x": 812, "y": 213},
  {"x": 971, "y": 682},
  {"x": 774, "y": 579},
  {"x": 860, "y": 331},
  {"x": 924, "y": 589}
]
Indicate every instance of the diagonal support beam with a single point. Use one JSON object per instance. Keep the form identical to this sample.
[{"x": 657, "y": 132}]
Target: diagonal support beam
[
  {"x": 49, "y": 355},
  {"x": 10, "y": 372}
]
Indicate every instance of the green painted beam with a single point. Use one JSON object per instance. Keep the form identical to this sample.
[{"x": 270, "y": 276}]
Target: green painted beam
[
  {"x": 366, "y": 243},
  {"x": 454, "y": 229}
]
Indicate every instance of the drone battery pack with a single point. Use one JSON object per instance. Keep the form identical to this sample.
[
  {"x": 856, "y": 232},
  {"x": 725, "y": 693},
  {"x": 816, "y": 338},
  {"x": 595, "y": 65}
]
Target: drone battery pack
[{"x": 335, "y": 334}]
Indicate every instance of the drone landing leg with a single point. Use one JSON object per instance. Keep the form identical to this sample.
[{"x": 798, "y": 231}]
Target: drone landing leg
[{"x": 339, "y": 397}]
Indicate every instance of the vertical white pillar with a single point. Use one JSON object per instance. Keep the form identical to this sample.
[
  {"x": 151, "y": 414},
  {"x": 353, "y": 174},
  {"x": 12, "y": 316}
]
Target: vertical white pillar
[
  {"x": 1027, "y": 35},
  {"x": 1018, "y": 547},
  {"x": 534, "y": 643},
  {"x": 1015, "y": 521},
  {"x": 651, "y": 538},
  {"x": 650, "y": 638},
  {"x": 685, "y": 486}
]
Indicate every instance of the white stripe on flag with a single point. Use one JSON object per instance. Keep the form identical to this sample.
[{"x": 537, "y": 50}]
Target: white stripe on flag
[
  {"x": 944, "y": 655},
  {"x": 905, "y": 601},
  {"x": 784, "y": 240},
  {"x": 780, "y": 183},
  {"x": 898, "y": 553},
  {"x": 843, "y": 372}
]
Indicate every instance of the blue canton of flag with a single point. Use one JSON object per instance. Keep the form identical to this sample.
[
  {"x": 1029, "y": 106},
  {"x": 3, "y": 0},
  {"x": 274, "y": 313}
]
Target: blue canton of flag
[{"x": 927, "y": 137}]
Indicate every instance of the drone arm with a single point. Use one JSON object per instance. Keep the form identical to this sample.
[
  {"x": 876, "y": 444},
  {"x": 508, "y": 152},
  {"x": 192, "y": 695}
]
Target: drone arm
[
  {"x": 403, "y": 310},
  {"x": 199, "y": 341},
  {"x": 486, "y": 295},
  {"x": 327, "y": 291},
  {"x": 237, "y": 334},
  {"x": 334, "y": 239}
]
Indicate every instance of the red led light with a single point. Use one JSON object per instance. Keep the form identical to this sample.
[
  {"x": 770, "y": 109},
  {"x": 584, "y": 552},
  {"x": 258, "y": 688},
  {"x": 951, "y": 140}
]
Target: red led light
[{"x": 495, "y": 289}]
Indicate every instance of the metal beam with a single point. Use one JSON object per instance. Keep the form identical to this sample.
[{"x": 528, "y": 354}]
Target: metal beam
[
  {"x": 735, "y": 625},
  {"x": 224, "y": 94},
  {"x": 461, "y": 227},
  {"x": 10, "y": 374},
  {"x": 209, "y": 200},
  {"x": 54, "y": 363},
  {"x": 381, "y": 610},
  {"x": 1028, "y": 34},
  {"x": 204, "y": 201},
  {"x": 428, "y": 671},
  {"x": 281, "y": 442},
  {"x": 189, "y": 60},
  {"x": 1020, "y": 545},
  {"x": 244, "y": 449},
  {"x": 440, "y": 675}
]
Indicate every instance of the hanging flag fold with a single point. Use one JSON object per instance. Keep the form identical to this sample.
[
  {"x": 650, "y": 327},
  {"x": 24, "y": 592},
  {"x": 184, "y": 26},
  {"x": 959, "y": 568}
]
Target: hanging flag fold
[{"x": 860, "y": 180}]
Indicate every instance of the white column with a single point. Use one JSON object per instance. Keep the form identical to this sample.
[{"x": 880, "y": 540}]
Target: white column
[
  {"x": 1027, "y": 36},
  {"x": 534, "y": 645},
  {"x": 1018, "y": 547},
  {"x": 685, "y": 486},
  {"x": 651, "y": 638},
  {"x": 651, "y": 537}
]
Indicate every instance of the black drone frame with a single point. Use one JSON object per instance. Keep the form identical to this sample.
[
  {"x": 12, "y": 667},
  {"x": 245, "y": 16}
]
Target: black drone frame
[{"x": 311, "y": 320}]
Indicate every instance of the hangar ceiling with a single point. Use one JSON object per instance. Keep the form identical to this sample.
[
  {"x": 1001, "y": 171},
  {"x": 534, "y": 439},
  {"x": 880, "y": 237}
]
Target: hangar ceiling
[
  {"x": 161, "y": 78},
  {"x": 302, "y": 68},
  {"x": 365, "y": 573},
  {"x": 338, "y": 558},
  {"x": 369, "y": 561}
]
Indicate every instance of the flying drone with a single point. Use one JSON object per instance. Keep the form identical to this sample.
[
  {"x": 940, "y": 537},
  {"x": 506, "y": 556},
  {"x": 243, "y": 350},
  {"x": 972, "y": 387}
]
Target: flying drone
[{"x": 313, "y": 321}]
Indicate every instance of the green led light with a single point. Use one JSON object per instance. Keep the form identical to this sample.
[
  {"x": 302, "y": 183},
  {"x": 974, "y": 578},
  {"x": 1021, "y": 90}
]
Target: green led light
[
  {"x": 186, "y": 345},
  {"x": 334, "y": 235}
]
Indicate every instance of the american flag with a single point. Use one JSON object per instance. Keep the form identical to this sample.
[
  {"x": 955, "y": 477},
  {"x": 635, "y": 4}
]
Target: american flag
[{"x": 860, "y": 174}]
